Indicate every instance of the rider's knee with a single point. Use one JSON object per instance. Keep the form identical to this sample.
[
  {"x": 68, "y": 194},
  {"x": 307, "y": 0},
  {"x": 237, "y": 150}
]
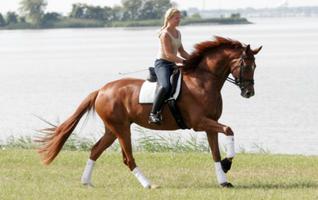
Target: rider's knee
[{"x": 165, "y": 89}]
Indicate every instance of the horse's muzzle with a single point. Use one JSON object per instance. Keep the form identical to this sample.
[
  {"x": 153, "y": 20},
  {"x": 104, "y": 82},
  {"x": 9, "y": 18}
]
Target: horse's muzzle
[{"x": 247, "y": 93}]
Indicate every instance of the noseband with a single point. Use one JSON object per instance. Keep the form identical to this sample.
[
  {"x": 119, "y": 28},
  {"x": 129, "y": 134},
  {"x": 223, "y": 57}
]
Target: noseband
[{"x": 238, "y": 81}]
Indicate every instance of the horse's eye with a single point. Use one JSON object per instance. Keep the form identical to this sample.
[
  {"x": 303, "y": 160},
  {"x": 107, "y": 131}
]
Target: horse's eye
[{"x": 246, "y": 68}]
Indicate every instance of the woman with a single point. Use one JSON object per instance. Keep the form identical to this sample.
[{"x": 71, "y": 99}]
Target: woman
[{"x": 170, "y": 46}]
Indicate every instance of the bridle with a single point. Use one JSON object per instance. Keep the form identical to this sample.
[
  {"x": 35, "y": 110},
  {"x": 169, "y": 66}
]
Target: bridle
[{"x": 238, "y": 81}]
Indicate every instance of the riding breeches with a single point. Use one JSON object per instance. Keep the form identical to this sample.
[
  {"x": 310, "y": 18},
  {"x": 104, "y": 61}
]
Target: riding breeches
[{"x": 163, "y": 70}]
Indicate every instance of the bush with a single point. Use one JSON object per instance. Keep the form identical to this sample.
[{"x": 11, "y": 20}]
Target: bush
[{"x": 77, "y": 23}]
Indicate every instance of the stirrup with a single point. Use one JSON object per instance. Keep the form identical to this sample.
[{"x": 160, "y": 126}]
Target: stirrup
[{"x": 155, "y": 118}]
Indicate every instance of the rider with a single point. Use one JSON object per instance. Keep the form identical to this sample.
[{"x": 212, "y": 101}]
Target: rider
[{"x": 170, "y": 46}]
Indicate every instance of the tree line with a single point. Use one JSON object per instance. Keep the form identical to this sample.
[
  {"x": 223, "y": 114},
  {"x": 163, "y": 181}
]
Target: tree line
[{"x": 33, "y": 12}]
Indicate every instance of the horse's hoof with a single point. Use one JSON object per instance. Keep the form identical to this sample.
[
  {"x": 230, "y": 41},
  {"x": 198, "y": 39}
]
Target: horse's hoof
[
  {"x": 226, "y": 185},
  {"x": 90, "y": 185},
  {"x": 154, "y": 186}
]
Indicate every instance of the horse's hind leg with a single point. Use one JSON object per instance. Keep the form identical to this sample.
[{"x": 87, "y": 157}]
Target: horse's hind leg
[
  {"x": 104, "y": 142},
  {"x": 124, "y": 137}
]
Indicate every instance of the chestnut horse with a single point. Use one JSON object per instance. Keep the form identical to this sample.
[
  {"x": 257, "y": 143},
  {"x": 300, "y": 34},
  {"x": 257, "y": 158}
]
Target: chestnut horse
[{"x": 200, "y": 103}]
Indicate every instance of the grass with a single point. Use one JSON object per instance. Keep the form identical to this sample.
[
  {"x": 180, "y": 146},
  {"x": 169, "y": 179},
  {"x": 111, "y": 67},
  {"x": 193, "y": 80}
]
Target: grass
[
  {"x": 146, "y": 143},
  {"x": 184, "y": 175},
  {"x": 183, "y": 169}
]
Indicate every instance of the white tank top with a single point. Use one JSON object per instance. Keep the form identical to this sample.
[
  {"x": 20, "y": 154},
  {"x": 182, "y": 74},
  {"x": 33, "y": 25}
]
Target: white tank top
[{"x": 175, "y": 45}]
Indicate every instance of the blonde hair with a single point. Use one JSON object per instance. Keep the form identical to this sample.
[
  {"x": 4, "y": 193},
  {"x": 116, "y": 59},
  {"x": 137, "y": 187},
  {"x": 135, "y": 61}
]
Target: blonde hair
[{"x": 169, "y": 14}]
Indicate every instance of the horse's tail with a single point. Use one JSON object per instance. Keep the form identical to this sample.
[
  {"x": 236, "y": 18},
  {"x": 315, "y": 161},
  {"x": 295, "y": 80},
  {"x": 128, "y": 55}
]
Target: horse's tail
[{"x": 55, "y": 138}]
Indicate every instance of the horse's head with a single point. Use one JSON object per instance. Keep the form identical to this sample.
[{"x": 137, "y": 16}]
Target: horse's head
[
  {"x": 223, "y": 56},
  {"x": 242, "y": 69}
]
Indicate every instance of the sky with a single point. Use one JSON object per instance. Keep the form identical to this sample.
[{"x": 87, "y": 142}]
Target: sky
[{"x": 64, "y": 6}]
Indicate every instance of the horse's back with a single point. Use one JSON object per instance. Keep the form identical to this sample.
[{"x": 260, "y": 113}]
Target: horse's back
[
  {"x": 118, "y": 103},
  {"x": 118, "y": 97},
  {"x": 121, "y": 88},
  {"x": 117, "y": 87}
]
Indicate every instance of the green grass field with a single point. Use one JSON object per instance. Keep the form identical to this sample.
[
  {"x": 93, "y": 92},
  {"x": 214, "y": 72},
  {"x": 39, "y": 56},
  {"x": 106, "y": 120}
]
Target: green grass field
[{"x": 180, "y": 175}]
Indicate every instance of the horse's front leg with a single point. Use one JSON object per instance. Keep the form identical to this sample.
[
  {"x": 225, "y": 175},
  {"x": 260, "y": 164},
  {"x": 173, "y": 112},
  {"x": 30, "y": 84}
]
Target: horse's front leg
[
  {"x": 221, "y": 167},
  {"x": 212, "y": 128}
]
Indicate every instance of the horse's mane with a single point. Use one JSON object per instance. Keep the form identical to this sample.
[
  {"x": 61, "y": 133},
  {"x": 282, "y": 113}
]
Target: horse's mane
[{"x": 202, "y": 48}]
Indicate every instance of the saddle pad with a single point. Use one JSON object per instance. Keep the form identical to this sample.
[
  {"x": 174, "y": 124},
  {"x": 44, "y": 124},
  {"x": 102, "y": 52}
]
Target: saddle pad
[{"x": 148, "y": 91}]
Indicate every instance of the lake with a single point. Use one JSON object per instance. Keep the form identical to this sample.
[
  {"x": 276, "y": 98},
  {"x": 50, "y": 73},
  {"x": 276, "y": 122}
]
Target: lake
[{"x": 49, "y": 72}]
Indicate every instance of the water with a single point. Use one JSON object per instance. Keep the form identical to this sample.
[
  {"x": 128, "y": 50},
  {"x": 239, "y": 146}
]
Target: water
[{"x": 49, "y": 72}]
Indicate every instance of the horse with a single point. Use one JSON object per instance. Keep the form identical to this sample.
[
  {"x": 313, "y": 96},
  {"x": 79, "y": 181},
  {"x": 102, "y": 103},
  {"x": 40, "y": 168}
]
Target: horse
[{"x": 200, "y": 103}]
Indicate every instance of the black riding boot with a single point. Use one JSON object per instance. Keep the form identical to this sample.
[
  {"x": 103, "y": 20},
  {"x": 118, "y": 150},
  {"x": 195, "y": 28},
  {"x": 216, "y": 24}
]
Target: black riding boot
[{"x": 155, "y": 115}]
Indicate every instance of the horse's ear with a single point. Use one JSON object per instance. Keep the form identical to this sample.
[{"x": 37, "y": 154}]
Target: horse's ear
[
  {"x": 255, "y": 51},
  {"x": 247, "y": 49}
]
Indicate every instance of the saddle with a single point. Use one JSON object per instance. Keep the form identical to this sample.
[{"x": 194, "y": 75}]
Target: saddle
[
  {"x": 149, "y": 88},
  {"x": 152, "y": 77}
]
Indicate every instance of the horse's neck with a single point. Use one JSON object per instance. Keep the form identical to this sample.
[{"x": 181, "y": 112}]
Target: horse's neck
[
  {"x": 214, "y": 70},
  {"x": 204, "y": 82}
]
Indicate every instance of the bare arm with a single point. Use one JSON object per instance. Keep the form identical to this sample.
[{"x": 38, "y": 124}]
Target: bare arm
[
  {"x": 183, "y": 53},
  {"x": 167, "y": 49}
]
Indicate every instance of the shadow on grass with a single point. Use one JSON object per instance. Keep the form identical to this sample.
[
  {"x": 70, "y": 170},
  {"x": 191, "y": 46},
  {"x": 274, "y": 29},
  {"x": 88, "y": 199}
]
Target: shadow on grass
[
  {"x": 298, "y": 185},
  {"x": 301, "y": 185},
  {"x": 196, "y": 186}
]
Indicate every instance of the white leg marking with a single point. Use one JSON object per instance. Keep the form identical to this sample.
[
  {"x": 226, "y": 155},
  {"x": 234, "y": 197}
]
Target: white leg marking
[
  {"x": 141, "y": 178},
  {"x": 229, "y": 146},
  {"x": 87, "y": 174},
  {"x": 220, "y": 175}
]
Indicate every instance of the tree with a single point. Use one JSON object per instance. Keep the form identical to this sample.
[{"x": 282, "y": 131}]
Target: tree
[
  {"x": 131, "y": 9},
  {"x": 50, "y": 18},
  {"x": 147, "y": 11},
  {"x": 185, "y": 13},
  {"x": 117, "y": 13},
  {"x": 108, "y": 13},
  {"x": 22, "y": 19},
  {"x": 11, "y": 18},
  {"x": 154, "y": 9},
  {"x": 98, "y": 13},
  {"x": 2, "y": 21},
  {"x": 160, "y": 7},
  {"x": 77, "y": 11},
  {"x": 83, "y": 11},
  {"x": 33, "y": 10},
  {"x": 235, "y": 15}
]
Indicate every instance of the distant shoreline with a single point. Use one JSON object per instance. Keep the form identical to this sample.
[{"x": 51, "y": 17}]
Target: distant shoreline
[
  {"x": 88, "y": 23},
  {"x": 187, "y": 21}
]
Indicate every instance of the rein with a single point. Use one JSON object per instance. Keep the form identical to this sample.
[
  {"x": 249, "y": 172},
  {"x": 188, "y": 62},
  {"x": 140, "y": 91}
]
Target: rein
[{"x": 233, "y": 81}]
